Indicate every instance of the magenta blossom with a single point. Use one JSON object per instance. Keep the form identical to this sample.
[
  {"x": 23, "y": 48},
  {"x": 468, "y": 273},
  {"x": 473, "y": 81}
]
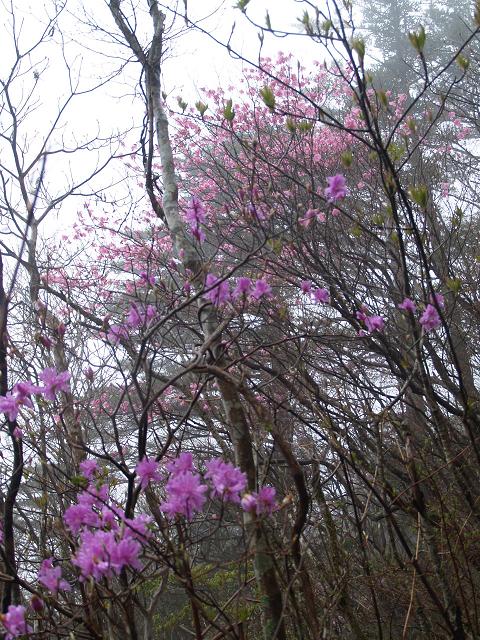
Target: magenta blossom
[
  {"x": 51, "y": 577},
  {"x": 14, "y": 622},
  {"x": 228, "y": 481},
  {"x": 116, "y": 333},
  {"x": 183, "y": 463},
  {"x": 261, "y": 289},
  {"x": 54, "y": 382},
  {"x": 306, "y": 286},
  {"x": 408, "y": 305},
  {"x": 374, "y": 323},
  {"x": 439, "y": 299},
  {"x": 10, "y": 406},
  {"x": 145, "y": 279},
  {"x": 337, "y": 188},
  {"x": 101, "y": 553},
  {"x": 147, "y": 471},
  {"x": 430, "y": 319},
  {"x": 321, "y": 295},
  {"x": 262, "y": 502},
  {"x": 185, "y": 495},
  {"x": 195, "y": 216},
  {"x": 88, "y": 468},
  {"x": 242, "y": 288},
  {"x": 219, "y": 294}
]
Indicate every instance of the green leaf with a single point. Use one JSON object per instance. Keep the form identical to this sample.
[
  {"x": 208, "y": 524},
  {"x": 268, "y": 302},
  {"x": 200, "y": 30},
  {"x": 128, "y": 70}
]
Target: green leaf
[
  {"x": 268, "y": 97},
  {"x": 228, "y": 111},
  {"x": 462, "y": 62},
  {"x": 347, "y": 158},
  {"x": 454, "y": 284},
  {"x": 358, "y": 45},
  {"x": 419, "y": 195},
  {"x": 201, "y": 107},
  {"x": 417, "y": 39},
  {"x": 182, "y": 104},
  {"x": 290, "y": 124},
  {"x": 304, "y": 126},
  {"x": 242, "y": 5},
  {"x": 267, "y": 21}
]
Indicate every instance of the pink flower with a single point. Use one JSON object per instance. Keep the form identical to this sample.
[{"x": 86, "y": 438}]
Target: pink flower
[
  {"x": 183, "y": 463},
  {"x": 51, "y": 577},
  {"x": 242, "y": 288},
  {"x": 408, "y": 305},
  {"x": 430, "y": 319},
  {"x": 134, "y": 320},
  {"x": 147, "y": 471},
  {"x": 88, "y": 468},
  {"x": 266, "y": 500},
  {"x": 10, "y": 406},
  {"x": 261, "y": 289},
  {"x": 80, "y": 515},
  {"x": 309, "y": 216},
  {"x": 195, "y": 216},
  {"x": 306, "y": 286},
  {"x": 146, "y": 279},
  {"x": 14, "y": 622},
  {"x": 439, "y": 299},
  {"x": 337, "y": 188},
  {"x": 101, "y": 553},
  {"x": 228, "y": 481},
  {"x": 374, "y": 323},
  {"x": 219, "y": 294},
  {"x": 54, "y": 382},
  {"x": 116, "y": 333},
  {"x": 185, "y": 495},
  {"x": 261, "y": 502},
  {"x": 249, "y": 502},
  {"x": 321, "y": 295}
]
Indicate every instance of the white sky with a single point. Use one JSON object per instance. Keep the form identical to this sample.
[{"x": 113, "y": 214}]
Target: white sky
[{"x": 89, "y": 55}]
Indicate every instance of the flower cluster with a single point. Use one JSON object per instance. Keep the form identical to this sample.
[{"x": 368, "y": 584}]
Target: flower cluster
[
  {"x": 260, "y": 503},
  {"x": 337, "y": 188},
  {"x": 108, "y": 540},
  {"x": 14, "y": 622},
  {"x": 372, "y": 323},
  {"x": 195, "y": 216},
  {"x": 218, "y": 292},
  {"x": 137, "y": 318},
  {"x": 430, "y": 318},
  {"x": 20, "y": 396},
  {"x": 51, "y": 577},
  {"x": 319, "y": 295}
]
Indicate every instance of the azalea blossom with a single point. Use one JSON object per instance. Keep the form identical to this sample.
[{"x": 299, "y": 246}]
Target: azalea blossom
[
  {"x": 54, "y": 382},
  {"x": 14, "y": 622},
  {"x": 261, "y": 289},
  {"x": 408, "y": 305},
  {"x": 321, "y": 295},
  {"x": 263, "y": 502},
  {"x": 242, "y": 288},
  {"x": 147, "y": 471},
  {"x": 228, "y": 481},
  {"x": 430, "y": 319},
  {"x": 185, "y": 495},
  {"x": 51, "y": 577},
  {"x": 219, "y": 294},
  {"x": 337, "y": 188}
]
